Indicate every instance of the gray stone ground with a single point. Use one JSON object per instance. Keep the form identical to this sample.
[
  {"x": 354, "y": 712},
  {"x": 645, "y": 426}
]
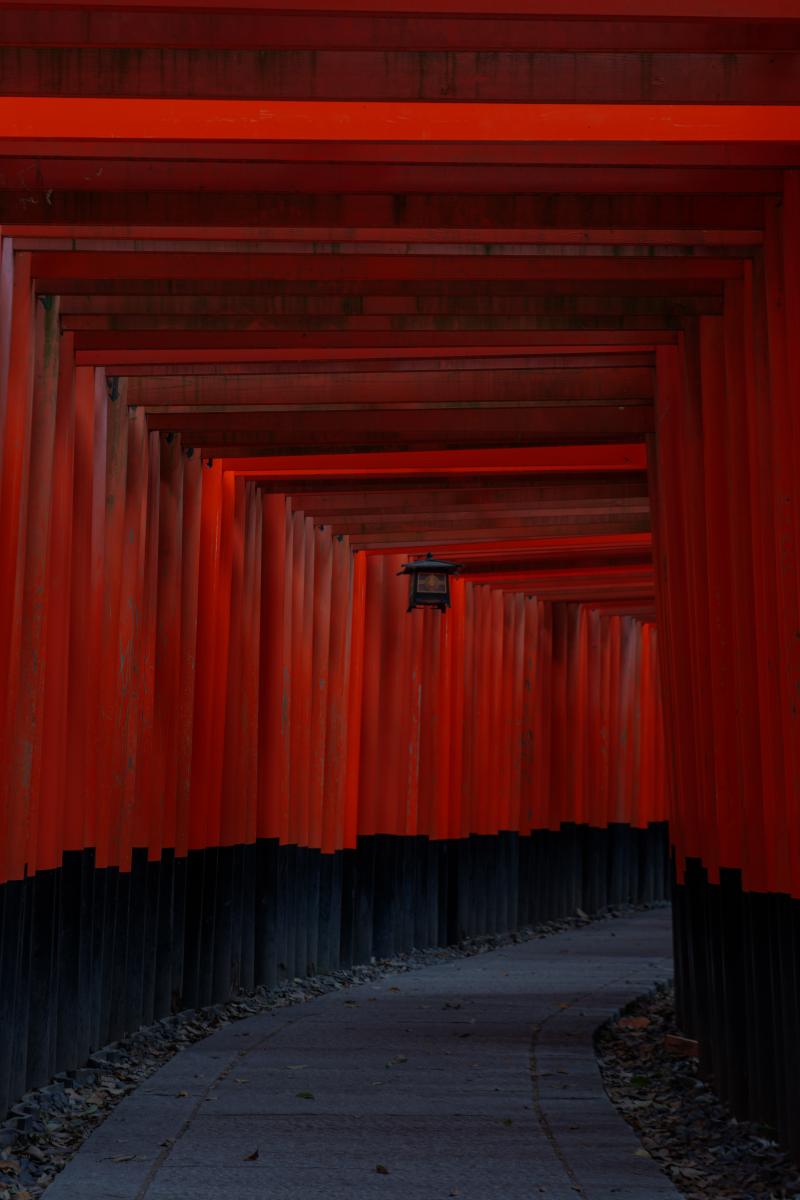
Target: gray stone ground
[{"x": 475, "y": 1078}]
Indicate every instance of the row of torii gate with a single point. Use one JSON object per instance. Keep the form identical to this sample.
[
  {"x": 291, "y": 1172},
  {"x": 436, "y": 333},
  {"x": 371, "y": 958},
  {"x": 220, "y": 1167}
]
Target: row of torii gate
[{"x": 292, "y": 293}]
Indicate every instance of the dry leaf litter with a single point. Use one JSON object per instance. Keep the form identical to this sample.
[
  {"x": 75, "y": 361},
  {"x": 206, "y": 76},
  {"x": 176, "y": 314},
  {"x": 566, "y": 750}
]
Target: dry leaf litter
[{"x": 681, "y": 1123}]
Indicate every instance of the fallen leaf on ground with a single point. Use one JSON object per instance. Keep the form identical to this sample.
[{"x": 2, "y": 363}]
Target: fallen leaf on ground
[
  {"x": 305, "y": 1095},
  {"x": 251, "y": 1157},
  {"x": 677, "y": 1044},
  {"x": 633, "y": 1022},
  {"x": 381, "y": 1169},
  {"x": 123, "y": 1158}
]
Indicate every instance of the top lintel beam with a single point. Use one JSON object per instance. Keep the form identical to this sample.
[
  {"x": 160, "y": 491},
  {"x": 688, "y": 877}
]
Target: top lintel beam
[
  {"x": 252, "y": 121},
  {"x": 764, "y": 10},
  {"x": 377, "y": 29},
  {"x": 176, "y": 265}
]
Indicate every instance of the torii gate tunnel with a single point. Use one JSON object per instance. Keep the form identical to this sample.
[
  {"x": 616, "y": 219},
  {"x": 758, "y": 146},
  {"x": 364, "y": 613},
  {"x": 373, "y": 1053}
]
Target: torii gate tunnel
[{"x": 292, "y": 293}]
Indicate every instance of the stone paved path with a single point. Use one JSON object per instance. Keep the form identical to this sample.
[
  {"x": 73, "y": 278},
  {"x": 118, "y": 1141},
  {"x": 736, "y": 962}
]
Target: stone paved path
[{"x": 425, "y": 1075}]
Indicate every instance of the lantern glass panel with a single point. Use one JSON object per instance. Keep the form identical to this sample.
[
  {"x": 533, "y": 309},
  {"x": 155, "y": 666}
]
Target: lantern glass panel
[{"x": 432, "y": 583}]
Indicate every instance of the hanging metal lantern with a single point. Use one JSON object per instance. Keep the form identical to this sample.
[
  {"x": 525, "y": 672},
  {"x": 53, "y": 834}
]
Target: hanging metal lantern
[{"x": 429, "y": 582}]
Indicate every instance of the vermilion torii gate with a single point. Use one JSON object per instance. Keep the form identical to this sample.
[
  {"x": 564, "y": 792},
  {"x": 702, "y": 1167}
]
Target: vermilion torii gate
[{"x": 288, "y": 295}]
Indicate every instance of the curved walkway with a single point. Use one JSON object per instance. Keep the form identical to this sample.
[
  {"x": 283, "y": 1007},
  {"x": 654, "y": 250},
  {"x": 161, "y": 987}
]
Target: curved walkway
[{"x": 417, "y": 1086}]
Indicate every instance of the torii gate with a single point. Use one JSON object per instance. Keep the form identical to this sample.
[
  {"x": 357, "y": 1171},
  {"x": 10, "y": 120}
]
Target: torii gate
[{"x": 287, "y": 296}]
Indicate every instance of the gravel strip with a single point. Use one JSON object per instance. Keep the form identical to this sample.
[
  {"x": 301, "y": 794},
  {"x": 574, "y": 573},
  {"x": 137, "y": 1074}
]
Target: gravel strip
[
  {"x": 683, "y": 1125},
  {"x": 48, "y": 1126}
]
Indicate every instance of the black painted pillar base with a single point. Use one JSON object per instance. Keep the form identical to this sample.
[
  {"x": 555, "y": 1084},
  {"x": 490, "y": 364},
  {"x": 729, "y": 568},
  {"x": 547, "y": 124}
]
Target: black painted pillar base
[
  {"x": 88, "y": 955},
  {"x": 737, "y": 980}
]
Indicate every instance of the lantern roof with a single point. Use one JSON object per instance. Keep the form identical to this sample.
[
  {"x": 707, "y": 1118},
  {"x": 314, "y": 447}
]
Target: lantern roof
[{"x": 429, "y": 563}]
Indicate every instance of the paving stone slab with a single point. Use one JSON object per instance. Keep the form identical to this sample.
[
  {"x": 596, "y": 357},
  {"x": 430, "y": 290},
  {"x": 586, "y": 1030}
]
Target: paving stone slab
[
  {"x": 266, "y": 1183},
  {"x": 492, "y": 1089}
]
